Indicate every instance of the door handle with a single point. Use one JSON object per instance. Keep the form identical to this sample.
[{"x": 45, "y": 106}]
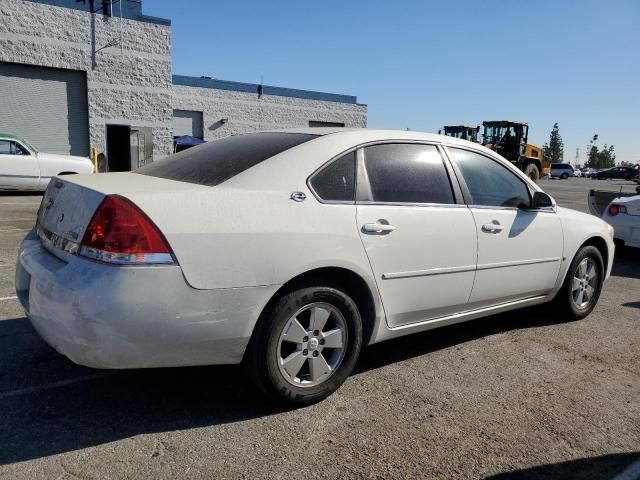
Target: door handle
[
  {"x": 492, "y": 227},
  {"x": 379, "y": 228}
]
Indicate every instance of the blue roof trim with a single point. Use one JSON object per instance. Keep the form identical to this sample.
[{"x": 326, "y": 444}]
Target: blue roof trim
[
  {"x": 156, "y": 20},
  {"x": 266, "y": 89},
  {"x": 126, "y": 12}
]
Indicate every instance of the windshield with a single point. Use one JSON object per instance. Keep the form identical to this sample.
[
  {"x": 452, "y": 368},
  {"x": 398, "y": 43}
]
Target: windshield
[
  {"x": 498, "y": 134},
  {"x": 464, "y": 133},
  {"x": 28, "y": 145}
]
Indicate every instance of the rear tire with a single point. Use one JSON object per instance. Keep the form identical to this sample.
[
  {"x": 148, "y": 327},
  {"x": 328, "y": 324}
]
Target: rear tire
[
  {"x": 305, "y": 346},
  {"x": 582, "y": 285},
  {"x": 531, "y": 171}
]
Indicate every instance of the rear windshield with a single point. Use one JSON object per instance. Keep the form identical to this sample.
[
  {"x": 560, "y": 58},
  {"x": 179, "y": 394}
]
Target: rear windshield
[{"x": 217, "y": 161}]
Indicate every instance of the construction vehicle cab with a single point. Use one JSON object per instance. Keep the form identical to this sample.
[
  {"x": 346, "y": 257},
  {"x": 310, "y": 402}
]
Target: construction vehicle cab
[
  {"x": 510, "y": 139},
  {"x": 462, "y": 131}
]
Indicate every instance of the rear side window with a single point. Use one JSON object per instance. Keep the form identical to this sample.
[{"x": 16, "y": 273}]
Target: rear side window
[
  {"x": 490, "y": 183},
  {"x": 5, "y": 147},
  {"x": 406, "y": 173},
  {"x": 337, "y": 181},
  {"x": 215, "y": 162}
]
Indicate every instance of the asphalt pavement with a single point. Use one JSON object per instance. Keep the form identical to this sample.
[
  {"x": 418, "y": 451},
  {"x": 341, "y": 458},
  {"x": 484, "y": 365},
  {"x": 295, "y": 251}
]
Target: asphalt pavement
[{"x": 513, "y": 396}]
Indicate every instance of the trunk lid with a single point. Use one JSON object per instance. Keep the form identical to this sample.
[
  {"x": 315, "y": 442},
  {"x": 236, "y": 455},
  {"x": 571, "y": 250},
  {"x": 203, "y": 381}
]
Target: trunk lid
[
  {"x": 65, "y": 212},
  {"x": 209, "y": 229},
  {"x": 69, "y": 203}
]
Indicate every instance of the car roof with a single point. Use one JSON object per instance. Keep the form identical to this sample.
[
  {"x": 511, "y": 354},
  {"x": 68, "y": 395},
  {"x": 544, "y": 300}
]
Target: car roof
[
  {"x": 362, "y": 135},
  {"x": 340, "y": 140},
  {"x": 10, "y": 135}
]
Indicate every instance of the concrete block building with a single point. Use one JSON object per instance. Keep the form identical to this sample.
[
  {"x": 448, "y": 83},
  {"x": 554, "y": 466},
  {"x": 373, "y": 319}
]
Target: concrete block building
[{"x": 77, "y": 74}]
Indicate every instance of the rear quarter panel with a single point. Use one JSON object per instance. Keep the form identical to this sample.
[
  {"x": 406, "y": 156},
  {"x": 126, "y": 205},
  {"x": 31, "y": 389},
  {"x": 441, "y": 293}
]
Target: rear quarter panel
[
  {"x": 248, "y": 232},
  {"x": 228, "y": 238}
]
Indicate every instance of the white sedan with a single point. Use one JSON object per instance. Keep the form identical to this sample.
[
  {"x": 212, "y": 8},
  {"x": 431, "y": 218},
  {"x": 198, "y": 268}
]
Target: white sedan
[
  {"x": 624, "y": 215},
  {"x": 22, "y": 167},
  {"x": 288, "y": 251}
]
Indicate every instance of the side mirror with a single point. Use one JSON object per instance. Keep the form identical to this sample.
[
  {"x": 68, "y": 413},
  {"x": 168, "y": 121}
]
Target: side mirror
[{"x": 541, "y": 200}]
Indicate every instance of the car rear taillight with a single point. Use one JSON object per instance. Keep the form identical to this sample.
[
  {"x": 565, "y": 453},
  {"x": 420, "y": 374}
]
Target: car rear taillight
[
  {"x": 615, "y": 209},
  {"x": 121, "y": 233}
]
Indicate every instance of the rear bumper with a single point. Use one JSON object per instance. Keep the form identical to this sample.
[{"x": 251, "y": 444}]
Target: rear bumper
[{"x": 105, "y": 316}]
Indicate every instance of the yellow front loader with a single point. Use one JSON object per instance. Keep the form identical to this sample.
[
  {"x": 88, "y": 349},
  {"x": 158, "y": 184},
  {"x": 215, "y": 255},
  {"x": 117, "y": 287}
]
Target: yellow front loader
[{"x": 510, "y": 139}]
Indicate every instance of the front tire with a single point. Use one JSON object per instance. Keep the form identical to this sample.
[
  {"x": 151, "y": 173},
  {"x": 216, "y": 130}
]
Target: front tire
[
  {"x": 531, "y": 171},
  {"x": 582, "y": 286},
  {"x": 305, "y": 346},
  {"x": 564, "y": 176}
]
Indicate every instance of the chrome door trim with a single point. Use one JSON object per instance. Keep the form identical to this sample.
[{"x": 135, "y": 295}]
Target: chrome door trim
[
  {"x": 426, "y": 273},
  {"x": 516, "y": 263},
  {"x": 403, "y": 204},
  {"x": 466, "y": 268}
]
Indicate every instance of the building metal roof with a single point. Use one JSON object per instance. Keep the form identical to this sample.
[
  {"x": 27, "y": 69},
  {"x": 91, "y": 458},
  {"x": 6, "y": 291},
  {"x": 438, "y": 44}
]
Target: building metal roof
[{"x": 266, "y": 89}]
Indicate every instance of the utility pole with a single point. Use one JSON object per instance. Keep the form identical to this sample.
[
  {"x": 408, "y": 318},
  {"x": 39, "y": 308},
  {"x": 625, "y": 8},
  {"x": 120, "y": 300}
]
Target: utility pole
[{"x": 577, "y": 160}]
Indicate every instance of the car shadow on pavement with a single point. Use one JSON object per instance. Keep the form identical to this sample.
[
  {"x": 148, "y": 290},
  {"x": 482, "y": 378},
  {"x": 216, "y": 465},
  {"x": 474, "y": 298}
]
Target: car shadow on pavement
[
  {"x": 595, "y": 468},
  {"x": 626, "y": 262},
  {"x": 404, "y": 348},
  {"x": 49, "y": 406}
]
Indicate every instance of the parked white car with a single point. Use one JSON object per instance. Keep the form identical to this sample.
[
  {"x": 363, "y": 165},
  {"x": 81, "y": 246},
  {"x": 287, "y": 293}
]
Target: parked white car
[
  {"x": 623, "y": 214},
  {"x": 22, "y": 167},
  {"x": 290, "y": 250}
]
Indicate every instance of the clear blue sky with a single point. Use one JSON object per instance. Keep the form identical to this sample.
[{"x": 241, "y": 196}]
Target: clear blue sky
[{"x": 421, "y": 65}]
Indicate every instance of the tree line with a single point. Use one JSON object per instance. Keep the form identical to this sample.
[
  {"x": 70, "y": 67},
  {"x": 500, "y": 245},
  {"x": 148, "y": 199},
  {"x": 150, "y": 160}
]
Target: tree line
[{"x": 597, "y": 157}]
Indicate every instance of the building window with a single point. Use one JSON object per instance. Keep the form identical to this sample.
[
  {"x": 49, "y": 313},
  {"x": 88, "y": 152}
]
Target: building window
[
  {"x": 316, "y": 123},
  {"x": 187, "y": 122}
]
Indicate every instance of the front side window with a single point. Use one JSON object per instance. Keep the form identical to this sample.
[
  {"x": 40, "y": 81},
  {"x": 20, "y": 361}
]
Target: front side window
[
  {"x": 19, "y": 149},
  {"x": 337, "y": 181},
  {"x": 490, "y": 183},
  {"x": 9, "y": 147},
  {"x": 406, "y": 173}
]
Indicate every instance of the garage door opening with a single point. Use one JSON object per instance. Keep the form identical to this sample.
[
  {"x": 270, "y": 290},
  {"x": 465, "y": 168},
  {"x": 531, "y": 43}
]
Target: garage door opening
[
  {"x": 45, "y": 106},
  {"x": 118, "y": 148}
]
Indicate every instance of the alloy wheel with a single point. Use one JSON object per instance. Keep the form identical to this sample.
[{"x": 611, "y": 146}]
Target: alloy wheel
[
  {"x": 312, "y": 344},
  {"x": 584, "y": 283}
]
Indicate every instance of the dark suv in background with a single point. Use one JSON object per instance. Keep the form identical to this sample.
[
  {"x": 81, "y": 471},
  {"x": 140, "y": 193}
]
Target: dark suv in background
[{"x": 626, "y": 173}]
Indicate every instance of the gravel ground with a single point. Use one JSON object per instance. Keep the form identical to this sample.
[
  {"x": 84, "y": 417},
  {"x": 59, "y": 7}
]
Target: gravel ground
[{"x": 512, "y": 396}]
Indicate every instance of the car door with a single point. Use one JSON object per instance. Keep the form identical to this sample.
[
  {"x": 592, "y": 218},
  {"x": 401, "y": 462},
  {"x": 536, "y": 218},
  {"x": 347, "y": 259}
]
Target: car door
[
  {"x": 519, "y": 248},
  {"x": 419, "y": 237},
  {"x": 19, "y": 169}
]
